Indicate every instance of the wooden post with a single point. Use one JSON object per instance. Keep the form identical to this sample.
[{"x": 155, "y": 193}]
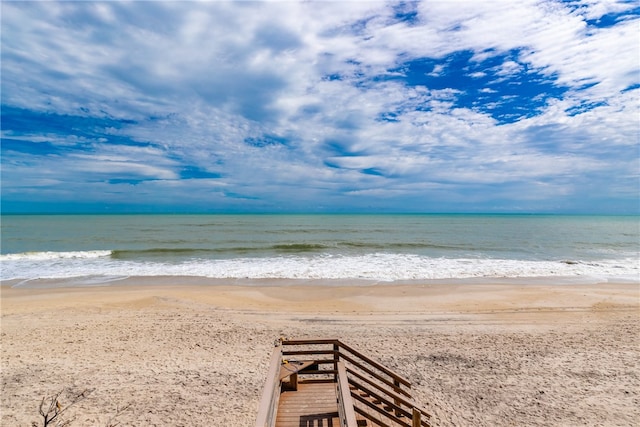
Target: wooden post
[
  {"x": 267, "y": 411},
  {"x": 345, "y": 402},
  {"x": 396, "y": 401},
  {"x": 336, "y": 358},
  {"x": 416, "y": 418}
]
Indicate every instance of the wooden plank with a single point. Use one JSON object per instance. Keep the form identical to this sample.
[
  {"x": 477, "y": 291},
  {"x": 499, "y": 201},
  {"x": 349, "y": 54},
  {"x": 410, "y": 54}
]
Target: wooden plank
[
  {"x": 312, "y": 405},
  {"x": 319, "y": 396},
  {"x": 312, "y": 421},
  {"x": 376, "y": 365},
  {"x": 370, "y": 420},
  {"x": 371, "y": 415},
  {"x": 345, "y": 402},
  {"x": 316, "y": 352},
  {"x": 271, "y": 392},
  {"x": 415, "y": 422},
  {"x": 340, "y": 345},
  {"x": 376, "y": 409},
  {"x": 311, "y": 341},
  {"x": 375, "y": 375},
  {"x": 370, "y": 381},
  {"x": 293, "y": 367},
  {"x": 398, "y": 400}
]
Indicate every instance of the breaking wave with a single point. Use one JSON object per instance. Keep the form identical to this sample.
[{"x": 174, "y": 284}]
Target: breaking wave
[{"x": 372, "y": 266}]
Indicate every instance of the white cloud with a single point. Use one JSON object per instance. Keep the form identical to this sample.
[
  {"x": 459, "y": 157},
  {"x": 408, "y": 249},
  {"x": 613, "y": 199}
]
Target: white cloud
[{"x": 196, "y": 80}]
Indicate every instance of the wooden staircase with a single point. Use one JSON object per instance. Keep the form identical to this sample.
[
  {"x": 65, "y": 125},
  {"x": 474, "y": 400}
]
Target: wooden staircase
[{"x": 366, "y": 393}]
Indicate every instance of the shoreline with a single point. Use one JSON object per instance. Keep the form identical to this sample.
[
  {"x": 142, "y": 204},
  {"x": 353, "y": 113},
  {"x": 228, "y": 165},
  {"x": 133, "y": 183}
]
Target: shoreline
[
  {"x": 186, "y": 353},
  {"x": 102, "y": 281}
]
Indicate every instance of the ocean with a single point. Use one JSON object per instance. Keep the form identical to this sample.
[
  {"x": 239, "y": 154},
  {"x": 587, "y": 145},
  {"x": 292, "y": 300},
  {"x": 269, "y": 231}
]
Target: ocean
[{"x": 383, "y": 248}]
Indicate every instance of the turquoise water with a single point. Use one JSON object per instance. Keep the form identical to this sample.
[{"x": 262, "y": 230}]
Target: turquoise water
[{"x": 374, "y": 247}]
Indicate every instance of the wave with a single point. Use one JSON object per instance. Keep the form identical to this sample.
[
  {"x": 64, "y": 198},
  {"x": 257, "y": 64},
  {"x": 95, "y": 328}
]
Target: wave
[
  {"x": 208, "y": 253},
  {"x": 156, "y": 252},
  {"x": 50, "y": 255},
  {"x": 179, "y": 251},
  {"x": 371, "y": 266},
  {"x": 299, "y": 247},
  {"x": 411, "y": 245},
  {"x": 266, "y": 249}
]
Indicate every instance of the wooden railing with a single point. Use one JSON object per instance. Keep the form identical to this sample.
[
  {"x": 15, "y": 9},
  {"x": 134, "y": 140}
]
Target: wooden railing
[
  {"x": 377, "y": 392},
  {"x": 271, "y": 392},
  {"x": 364, "y": 386},
  {"x": 345, "y": 402}
]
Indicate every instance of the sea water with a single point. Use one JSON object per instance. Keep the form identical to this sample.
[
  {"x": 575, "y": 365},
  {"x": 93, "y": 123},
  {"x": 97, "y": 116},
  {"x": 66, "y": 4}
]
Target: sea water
[{"x": 366, "y": 247}]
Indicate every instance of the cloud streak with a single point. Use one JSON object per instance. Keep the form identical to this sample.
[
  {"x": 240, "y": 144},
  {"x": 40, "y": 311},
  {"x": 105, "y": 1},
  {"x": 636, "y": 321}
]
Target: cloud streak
[{"x": 298, "y": 106}]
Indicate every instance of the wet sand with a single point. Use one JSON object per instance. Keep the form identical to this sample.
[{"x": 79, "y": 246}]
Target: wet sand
[{"x": 191, "y": 353}]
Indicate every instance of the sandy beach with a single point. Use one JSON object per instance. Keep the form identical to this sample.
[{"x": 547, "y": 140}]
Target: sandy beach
[{"x": 150, "y": 353}]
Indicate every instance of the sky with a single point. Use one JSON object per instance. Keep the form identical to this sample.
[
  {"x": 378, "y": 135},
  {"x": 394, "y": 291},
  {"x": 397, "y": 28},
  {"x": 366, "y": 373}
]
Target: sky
[{"x": 314, "y": 106}]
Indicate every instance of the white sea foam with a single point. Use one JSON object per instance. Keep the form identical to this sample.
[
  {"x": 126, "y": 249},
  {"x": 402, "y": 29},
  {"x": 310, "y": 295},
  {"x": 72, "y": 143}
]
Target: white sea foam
[
  {"x": 49, "y": 255},
  {"x": 377, "y": 266}
]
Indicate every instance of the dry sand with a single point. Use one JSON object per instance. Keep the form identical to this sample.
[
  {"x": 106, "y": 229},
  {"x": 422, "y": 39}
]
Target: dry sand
[{"x": 197, "y": 354}]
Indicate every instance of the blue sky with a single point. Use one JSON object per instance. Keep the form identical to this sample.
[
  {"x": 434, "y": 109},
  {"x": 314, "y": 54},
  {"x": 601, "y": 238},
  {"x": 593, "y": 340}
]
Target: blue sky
[{"x": 434, "y": 106}]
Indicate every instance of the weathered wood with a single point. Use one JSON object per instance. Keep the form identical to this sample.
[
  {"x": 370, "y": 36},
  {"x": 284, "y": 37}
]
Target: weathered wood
[
  {"x": 338, "y": 345},
  {"x": 385, "y": 401},
  {"x": 345, "y": 402},
  {"x": 310, "y": 341},
  {"x": 313, "y": 404},
  {"x": 315, "y": 352},
  {"x": 398, "y": 399},
  {"x": 377, "y": 365},
  {"x": 367, "y": 416},
  {"x": 336, "y": 386},
  {"x": 318, "y": 372},
  {"x": 381, "y": 411},
  {"x": 416, "y": 418},
  {"x": 391, "y": 392},
  {"x": 376, "y": 375},
  {"x": 271, "y": 393},
  {"x": 291, "y": 369}
]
